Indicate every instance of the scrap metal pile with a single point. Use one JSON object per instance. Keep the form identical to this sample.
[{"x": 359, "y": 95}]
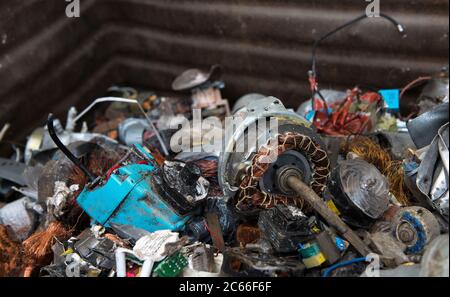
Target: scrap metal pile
[{"x": 344, "y": 186}]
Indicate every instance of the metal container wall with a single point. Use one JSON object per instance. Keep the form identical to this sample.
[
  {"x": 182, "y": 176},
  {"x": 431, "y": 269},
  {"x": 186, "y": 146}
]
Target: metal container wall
[{"x": 49, "y": 62}]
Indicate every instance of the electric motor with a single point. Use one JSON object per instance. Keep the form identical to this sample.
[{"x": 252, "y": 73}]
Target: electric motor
[{"x": 268, "y": 137}]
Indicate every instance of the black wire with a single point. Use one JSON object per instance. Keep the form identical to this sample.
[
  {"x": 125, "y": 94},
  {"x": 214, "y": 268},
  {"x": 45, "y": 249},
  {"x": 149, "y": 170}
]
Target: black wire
[
  {"x": 332, "y": 32},
  {"x": 65, "y": 150},
  {"x": 316, "y": 43}
]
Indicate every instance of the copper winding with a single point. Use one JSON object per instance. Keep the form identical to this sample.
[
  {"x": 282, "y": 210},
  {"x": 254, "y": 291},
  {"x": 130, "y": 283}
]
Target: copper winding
[
  {"x": 208, "y": 167},
  {"x": 11, "y": 258},
  {"x": 246, "y": 234},
  {"x": 250, "y": 195},
  {"x": 374, "y": 154},
  {"x": 117, "y": 240},
  {"x": 38, "y": 247}
]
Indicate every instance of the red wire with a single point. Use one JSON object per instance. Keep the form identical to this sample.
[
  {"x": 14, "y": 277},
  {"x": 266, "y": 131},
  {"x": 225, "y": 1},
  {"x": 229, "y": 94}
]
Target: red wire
[
  {"x": 413, "y": 83},
  {"x": 111, "y": 170}
]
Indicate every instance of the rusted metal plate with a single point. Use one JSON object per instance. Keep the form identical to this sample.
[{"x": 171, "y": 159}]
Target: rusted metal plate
[{"x": 49, "y": 62}]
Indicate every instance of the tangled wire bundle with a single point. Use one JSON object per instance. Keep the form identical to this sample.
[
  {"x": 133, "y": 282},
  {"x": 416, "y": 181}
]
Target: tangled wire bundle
[
  {"x": 373, "y": 153},
  {"x": 250, "y": 196},
  {"x": 38, "y": 247}
]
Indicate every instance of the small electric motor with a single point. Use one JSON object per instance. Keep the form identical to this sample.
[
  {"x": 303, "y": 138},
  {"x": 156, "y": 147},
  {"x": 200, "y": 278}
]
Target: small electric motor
[
  {"x": 415, "y": 226},
  {"x": 267, "y": 138}
]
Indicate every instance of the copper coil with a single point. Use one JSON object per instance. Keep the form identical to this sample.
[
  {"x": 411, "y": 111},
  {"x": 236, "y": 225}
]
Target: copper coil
[
  {"x": 370, "y": 151},
  {"x": 396, "y": 177},
  {"x": 156, "y": 154},
  {"x": 250, "y": 195},
  {"x": 215, "y": 190},
  {"x": 117, "y": 240},
  {"x": 374, "y": 154},
  {"x": 246, "y": 234},
  {"x": 38, "y": 247},
  {"x": 11, "y": 258},
  {"x": 208, "y": 167}
]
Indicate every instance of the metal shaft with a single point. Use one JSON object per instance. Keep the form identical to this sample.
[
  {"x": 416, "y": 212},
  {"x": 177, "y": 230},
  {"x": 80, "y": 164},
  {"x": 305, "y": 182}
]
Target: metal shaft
[{"x": 333, "y": 219}]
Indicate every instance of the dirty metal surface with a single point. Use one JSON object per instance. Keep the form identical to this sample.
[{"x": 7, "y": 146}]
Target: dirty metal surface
[{"x": 49, "y": 62}]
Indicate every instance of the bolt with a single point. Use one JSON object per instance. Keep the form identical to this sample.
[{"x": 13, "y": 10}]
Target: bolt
[{"x": 405, "y": 233}]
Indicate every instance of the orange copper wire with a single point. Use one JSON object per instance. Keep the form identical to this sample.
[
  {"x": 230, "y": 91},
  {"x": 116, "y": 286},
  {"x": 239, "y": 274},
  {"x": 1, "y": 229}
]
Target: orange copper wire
[
  {"x": 38, "y": 247},
  {"x": 250, "y": 195},
  {"x": 208, "y": 167},
  {"x": 11, "y": 258},
  {"x": 374, "y": 154}
]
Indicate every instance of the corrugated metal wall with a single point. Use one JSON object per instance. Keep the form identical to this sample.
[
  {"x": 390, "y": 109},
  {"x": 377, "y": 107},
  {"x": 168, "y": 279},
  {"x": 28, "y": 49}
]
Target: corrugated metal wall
[{"x": 49, "y": 62}]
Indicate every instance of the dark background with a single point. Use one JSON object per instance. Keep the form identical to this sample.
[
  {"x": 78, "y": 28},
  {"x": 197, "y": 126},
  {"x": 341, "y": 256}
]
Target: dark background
[{"x": 49, "y": 62}]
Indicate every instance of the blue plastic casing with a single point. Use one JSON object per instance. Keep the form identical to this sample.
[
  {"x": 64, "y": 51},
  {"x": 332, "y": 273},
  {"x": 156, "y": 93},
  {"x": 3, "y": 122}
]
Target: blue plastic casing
[{"x": 129, "y": 198}]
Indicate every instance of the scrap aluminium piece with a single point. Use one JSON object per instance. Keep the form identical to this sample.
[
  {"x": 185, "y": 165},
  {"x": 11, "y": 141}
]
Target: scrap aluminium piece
[
  {"x": 239, "y": 262},
  {"x": 12, "y": 171},
  {"x": 426, "y": 126},
  {"x": 252, "y": 148},
  {"x": 429, "y": 181},
  {"x": 98, "y": 251},
  {"x": 202, "y": 258},
  {"x": 435, "y": 261},
  {"x": 390, "y": 249},
  {"x": 40, "y": 140},
  {"x": 415, "y": 227},
  {"x": 360, "y": 192},
  {"x": 22, "y": 216},
  {"x": 245, "y": 100},
  {"x": 203, "y": 261}
]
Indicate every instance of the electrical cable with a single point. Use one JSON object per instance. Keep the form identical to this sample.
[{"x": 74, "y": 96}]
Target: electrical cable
[
  {"x": 65, "y": 150},
  {"x": 414, "y": 83},
  {"x": 313, "y": 72},
  {"x": 330, "y": 269},
  {"x": 399, "y": 27},
  {"x": 130, "y": 101}
]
